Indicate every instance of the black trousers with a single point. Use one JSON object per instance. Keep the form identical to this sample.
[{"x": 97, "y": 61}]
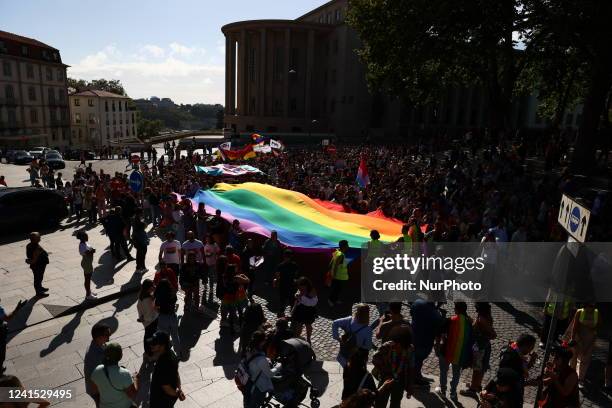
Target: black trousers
[
  {"x": 141, "y": 253},
  {"x": 117, "y": 243},
  {"x": 3, "y": 336},
  {"x": 39, "y": 272},
  {"x": 336, "y": 288},
  {"x": 148, "y": 333}
]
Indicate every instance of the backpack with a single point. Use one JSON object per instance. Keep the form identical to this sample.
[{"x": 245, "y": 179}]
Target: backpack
[
  {"x": 242, "y": 377},
  {"x": 348, "y": 342}
]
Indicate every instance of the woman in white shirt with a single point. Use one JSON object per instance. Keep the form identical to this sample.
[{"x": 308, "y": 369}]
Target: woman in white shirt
[
  {"x": 304, "y": 312},
  {"x": 147, "y": 312}
]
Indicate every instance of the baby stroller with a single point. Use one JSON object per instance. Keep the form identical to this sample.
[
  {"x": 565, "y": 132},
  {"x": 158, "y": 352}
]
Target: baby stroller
[{"x": 290, "y": 386}]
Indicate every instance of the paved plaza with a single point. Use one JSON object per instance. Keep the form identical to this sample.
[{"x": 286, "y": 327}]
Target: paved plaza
[{"x": 48, "y": 338}]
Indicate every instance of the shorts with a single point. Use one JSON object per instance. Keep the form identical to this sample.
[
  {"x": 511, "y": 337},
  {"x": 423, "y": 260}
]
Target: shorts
[{"x": 87, "y": 268}]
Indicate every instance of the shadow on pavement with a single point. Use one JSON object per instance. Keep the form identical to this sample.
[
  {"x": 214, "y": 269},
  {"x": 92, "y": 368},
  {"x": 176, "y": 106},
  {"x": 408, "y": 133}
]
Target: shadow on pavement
[
  {"x": 20, "y": 320},
  {"x": 225, "y": 355},
  {"x": 65, "y": 335},
  {"x": 106, "y": 269}
]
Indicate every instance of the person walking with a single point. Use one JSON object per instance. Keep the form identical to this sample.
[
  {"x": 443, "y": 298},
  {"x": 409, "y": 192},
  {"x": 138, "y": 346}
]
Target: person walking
[
  {"x": 165, "y": 381},
  {"x": 426, "y": 324},
  {"x": 286, "y": 276},
  {"x": 304, "y": 311},
  {"x": 165, "y": 300},
  {"x": 94, "y": 356},
  {"x": 258, "y": 367},
  {"x": 272, "y": 252},
  {"x": 87, "y": 252},
  {"x": 38, "y": 259},
  {"x": 483, "y": 332},
  {"x": 583, "y": 333},
  {"x": 147, "y": 314},
  {"x": 339, "y": 272},
  {"x": 114, "y": 384},
  {"x": 170, "y": 253},
  {"x": 209, "y": 277},
  {"x": 357, "y": 333},
  {"x": 140, "y": 239},
  {"x": 453, "y": 347}
]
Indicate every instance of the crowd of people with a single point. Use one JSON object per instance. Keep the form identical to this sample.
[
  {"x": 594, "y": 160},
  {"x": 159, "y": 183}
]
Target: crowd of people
[{"x": 463, "y": 194}]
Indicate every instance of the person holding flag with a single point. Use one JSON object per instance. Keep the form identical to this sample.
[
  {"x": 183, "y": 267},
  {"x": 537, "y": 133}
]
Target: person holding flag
[{"x": 362, "y": 174}]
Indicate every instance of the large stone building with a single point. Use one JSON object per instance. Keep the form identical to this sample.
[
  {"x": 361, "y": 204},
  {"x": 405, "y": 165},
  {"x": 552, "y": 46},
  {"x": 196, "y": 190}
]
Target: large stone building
[
  {"x": 99, "y": 118},
  {"x": 33, "y": 93},
  {"x": 304, "y": 76}
]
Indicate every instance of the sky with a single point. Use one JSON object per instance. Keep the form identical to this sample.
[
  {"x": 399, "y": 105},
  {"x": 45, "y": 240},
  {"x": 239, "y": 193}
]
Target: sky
[{"x": 158, "y": 48}]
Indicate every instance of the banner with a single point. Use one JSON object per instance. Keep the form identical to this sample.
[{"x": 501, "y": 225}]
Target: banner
[
  {"x": 275, "y": 144},
  {"x": 262, "y": 149},
  {"x": 245, "y": 153},
  {"x": 228, "y": 170},
  {"x": 225, "y": 146}
]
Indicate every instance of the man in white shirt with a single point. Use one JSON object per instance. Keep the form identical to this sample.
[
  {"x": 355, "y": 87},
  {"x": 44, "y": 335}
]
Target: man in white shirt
[{"x": 170, "y": 253}]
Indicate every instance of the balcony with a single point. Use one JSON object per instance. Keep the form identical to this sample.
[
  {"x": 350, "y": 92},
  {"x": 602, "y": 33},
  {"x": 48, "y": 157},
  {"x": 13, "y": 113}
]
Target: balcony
[{"x": 12, "y": 101}]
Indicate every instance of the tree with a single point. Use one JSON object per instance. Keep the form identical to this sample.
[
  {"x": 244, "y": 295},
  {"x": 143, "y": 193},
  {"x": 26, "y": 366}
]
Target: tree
[
  {"x": 112, "y": 85},
  {"x": 418, "y": 48},
  {"x": 574, "y": 45},
  {"x": 148, "y": 128}
]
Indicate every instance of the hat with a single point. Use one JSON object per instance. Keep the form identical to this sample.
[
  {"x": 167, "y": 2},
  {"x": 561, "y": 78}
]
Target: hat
[
  {"x": 507, "y": 376},
  {"x": 160, "y": 338},
  {"x": 113, "y": 353}
]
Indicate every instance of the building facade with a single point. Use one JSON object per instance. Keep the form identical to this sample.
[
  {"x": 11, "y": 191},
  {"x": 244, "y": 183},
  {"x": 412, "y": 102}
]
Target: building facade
[
  {"x": 305, "y": 76},
  {"x": 33, "y": 93},
  {"x": 99, "y": 118}
]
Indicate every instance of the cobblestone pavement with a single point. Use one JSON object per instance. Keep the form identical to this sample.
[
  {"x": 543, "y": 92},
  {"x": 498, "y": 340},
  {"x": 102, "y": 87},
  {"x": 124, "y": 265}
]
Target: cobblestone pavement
[{"x": 49, "y": 351}]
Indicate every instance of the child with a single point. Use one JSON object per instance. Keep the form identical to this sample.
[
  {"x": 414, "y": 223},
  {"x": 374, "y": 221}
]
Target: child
[{"x": 86, "y": 252}]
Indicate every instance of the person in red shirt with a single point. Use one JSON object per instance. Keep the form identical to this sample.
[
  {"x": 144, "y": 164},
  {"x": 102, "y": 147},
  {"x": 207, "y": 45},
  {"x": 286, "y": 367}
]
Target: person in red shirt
[
  {"x": 232, "y": 258},
  {"x": 166, "y": 272},
  {"x": 2, "y": 181}
]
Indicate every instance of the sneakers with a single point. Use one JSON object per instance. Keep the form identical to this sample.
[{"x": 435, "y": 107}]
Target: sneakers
[
  {"x": 468, "y": 392},
  {"x": 91, "y": 297},
  {"x": 453, "y": 395},
  {"x": 440, "y": 391},
  {"x": 42, "y": 295}
]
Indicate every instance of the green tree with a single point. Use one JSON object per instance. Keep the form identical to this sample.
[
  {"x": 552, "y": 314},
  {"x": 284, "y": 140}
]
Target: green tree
[
  {"x": 148, "y": 128},
  {"x": 571, "y": 39},
  {"x": 220, "y": 118},
  {"x": 112, "y": 85},
  {"x": 418, "y": 48}
]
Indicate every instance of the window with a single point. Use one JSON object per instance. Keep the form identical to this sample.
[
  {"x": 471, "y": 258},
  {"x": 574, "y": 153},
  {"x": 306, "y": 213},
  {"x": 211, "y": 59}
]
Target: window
[
  {"x": 329, "y": 18},
  {"x": 31, "y": 93},
  {"x": 80, "y": 134},
  {"x": 77, "y": 102},
  {"x": 106, "y": 106},
  {"x": 49, "y": 74},
  {"x": 107, "y": 121},
  {"x": 45, "y": 54},
  {"x": 64, "y": 114},
  {"x": 6, "y": 68},
  {"x": 119, "y": 103},
  {"x": 30, "y": 71},
  {"x": 113, "y": 103},
  {"x": 295, "y": 58},
  {"x": 92, "y": 118},
  {"x": 24, "y": 50},
  {"x": 114, "y": 120},
  {"x": 51, "y": 95},
  {"x": 321, "y": 19},
  {"x": 60, "y": 95},
  {"x": 8, "y": 92},
  {"x": 77, "y": 117},
  {"x": 90, "y": 102},
  {"x": 338, "y": 15},
  {"x": 60, "y": 75},
  {"x": 133, "y": 120},
  {"x": 53, "y": 135},
  {"x": 33, "y": 116},
  {"x": 133, "y": 131},
  {"x": 55, "y": 56}
]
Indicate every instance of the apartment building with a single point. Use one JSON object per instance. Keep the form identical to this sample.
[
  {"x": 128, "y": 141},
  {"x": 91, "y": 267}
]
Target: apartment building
[
  {"x": 99, "y": 118},
  {"x": 33, "y": 93}
]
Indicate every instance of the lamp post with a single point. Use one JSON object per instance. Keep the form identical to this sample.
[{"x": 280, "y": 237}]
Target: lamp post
[{"x": 312, "y": 123}]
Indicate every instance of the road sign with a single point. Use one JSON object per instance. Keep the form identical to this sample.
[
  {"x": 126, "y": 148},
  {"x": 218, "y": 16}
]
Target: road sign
[
  {"x": 136, "y": 181},
  {"x": 574, "y": 218}
]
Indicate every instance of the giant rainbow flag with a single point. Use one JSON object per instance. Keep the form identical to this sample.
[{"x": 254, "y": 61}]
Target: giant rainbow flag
[{"x": 300, "y": 221}]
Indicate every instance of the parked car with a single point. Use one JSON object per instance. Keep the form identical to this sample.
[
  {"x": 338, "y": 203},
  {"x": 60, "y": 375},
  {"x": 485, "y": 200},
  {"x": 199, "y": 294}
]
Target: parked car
[
  {"x": 38, "y": 152},
  {"x": 76, "y": 155},
  {"x": 9, "y": 154},
  {"x": 22, "y": 207},
  {"x": 22, "y": 157},
  {"x": 55, "y": 160}
]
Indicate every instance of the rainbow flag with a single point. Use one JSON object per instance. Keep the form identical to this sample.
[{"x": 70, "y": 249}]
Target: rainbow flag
[
  {"x": 458, "y": 348},
  {"x": 300, "y": 221}
]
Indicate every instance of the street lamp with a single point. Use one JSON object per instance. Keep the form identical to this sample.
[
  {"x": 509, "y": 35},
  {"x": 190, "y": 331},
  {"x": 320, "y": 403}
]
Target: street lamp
[{"x": 312, "y": 123}]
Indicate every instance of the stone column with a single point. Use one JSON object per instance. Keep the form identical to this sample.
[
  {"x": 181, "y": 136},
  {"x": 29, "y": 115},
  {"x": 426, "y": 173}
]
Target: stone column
[
  {"x": 228, "y": 74},
  {"x": 232, "y": 76},
  {"x": 309, "y": 68},
  {"x": 261, "y": 70},
  {"x": 242, "y": 68},
  {"x": 286, "y": 67}
]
